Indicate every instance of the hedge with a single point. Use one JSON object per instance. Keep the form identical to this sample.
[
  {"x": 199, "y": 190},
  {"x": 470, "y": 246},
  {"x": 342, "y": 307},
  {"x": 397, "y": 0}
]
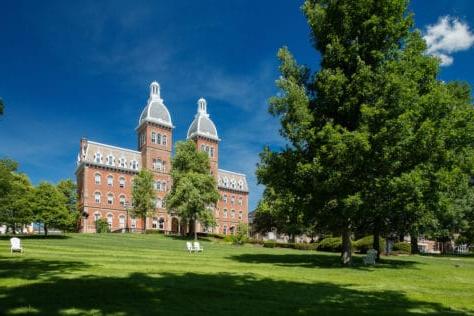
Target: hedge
[
  {"x": 332, "y": 244},
  {"x": 366, "y": 243},
  {"x": 403, "y": 247},
  {"x": 299, "y": 246}
]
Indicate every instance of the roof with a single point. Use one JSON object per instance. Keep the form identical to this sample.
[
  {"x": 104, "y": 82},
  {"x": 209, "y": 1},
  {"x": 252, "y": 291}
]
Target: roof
[
  {"x": 109, "y": 156},
  {"x": 232, "y": 180},
  {"x": 202, "y": 125},
  {"x": 155, "y": 111}
]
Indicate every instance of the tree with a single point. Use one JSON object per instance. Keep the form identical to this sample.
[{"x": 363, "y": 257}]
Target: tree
[
  {"x": 49, "y": 207},
  {"x": 2, "y": 107},
  {"x": 374, "y": 139},
  {"x": 143, "y": 195},
  {"x": 69, "y": 190},
  {"x": 194, "y": 190}
]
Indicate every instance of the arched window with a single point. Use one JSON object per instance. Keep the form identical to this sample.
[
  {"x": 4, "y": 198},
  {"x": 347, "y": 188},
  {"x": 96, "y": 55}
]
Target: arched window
[
  {"x": 154, "y": 223},
  {"x": 158, "y": 185},
  {"x": 133, "y": 223},
  {"x": 241, "y": 184},
  {"x": 110, "y": 219},
  {"x": 224, "y": 231},
  {"x": 110, "y": 180},
  {"x": 122, "y": 182},
  {"x": 97, "y": 197},
  {"x": 240, "y": 200},
  {"x": 98, "y": 157},
  {"x": 225, "y": 198},
  {"x": 163, "y": 186},
  {"x": 122, "y": 221},
  {"x": 96, "y": 216},
  {"x": 203, "y": 148},
  {"x": 164, "y": 140},
  {"x": 134, "y": 164},
  {"x": 226, "y": 182},
  {"x": 161, "y": 223},
  {"x": 232, "y": 199},
  {"x": 225, "y": 213},
  {"x": 232, "y": 214},
  {"x": 110, "y": 198},
  {"x": 98, "y": 178},
  {"x": 153, "y": 137},
  {"x": 122, "y": 200},
  {"x": 110, "y": 160}
]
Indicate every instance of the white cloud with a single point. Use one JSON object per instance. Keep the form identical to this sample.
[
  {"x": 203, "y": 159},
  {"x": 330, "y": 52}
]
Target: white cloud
[{"x": 447, "y": 36}]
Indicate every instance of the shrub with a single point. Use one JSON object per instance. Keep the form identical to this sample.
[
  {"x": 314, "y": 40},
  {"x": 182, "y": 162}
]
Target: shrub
[
  {"x": 101, "y": 226},
  {"x": 333, "y": 244},
  {"x": 366, "y": 243},
  {"x": 402, "y": 247},
  {"x": 299, "y": 246},
  {"x": 228, "y": 238},
  {"x": 255, "y": 241},
  {"x": 269, "y": 244},
  {"x": 241, "y": 235},
  {"x": 302, "y": 246},
  {"x": 154, "y": 231}
]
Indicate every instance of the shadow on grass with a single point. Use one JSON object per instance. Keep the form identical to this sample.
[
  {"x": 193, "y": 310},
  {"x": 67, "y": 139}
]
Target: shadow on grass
[
  {"x": 188, "y": 238},
  {"x": 317, "y": 260},
  {"x": 33, "y": 269},
  {"x": 216, "y": 294},
  {"x": 7, "y": 237}
]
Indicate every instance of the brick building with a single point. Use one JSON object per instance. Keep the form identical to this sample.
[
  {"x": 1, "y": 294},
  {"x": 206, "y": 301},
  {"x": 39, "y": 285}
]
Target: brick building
[{"x": 105, "y": 174}]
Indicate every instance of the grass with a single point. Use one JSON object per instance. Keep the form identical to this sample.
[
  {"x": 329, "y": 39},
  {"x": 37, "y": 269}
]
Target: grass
[{"x": 133, "y": 274}]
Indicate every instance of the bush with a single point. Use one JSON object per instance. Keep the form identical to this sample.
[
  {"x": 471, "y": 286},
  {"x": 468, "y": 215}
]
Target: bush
[
  {"x": 241, "y": 235},
  {"x": 332, "y": 244},
  {"x": 154, "y": 231},
  {"x": 269, "y": 244},
  {"x": 228, "y": 238},
  {"x": 366, "y": 243},
  {"x": 299, "y": 246},
  {"x": 402, "y": 247},
  {"x": 255, "y": 241},
  {"x": 101, "y": 226},
  {"x": 302, "y": 246}
]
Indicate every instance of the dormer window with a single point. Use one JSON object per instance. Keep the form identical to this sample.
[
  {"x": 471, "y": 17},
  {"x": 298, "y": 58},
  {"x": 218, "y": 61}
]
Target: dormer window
[
  {"x": 122, "y": 162},
  {"x": 241, "y": 184},
  {"x": 98, "y": 157},
  {"x": 110, "y": 160},
  {"x": 226, "y": 182},
  {"x": 134, "y": 165}
]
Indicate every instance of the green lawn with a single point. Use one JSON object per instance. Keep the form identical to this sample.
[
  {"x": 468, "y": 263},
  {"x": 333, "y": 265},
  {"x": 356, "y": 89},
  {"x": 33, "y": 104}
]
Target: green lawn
[{"x": 114, "y": 274}]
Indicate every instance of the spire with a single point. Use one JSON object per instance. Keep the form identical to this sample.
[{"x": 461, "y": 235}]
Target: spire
[
  {"x": 202, "y": 106},
  {"x": 154, "y": 90}
]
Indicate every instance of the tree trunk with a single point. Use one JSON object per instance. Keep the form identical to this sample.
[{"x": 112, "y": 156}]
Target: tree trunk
[
  {"x": 414, "y": 243},
  {"x": 144, "y": 224},
  {"x": 14, "y": 228},
  {"x": 346, "y": 255},
  {"x": 376, "y": 243},
  {"x": 45, "y": 230},
  {"x": 195, "y": 230}
]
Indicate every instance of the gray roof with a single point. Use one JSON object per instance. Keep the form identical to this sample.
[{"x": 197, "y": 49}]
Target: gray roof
[
  {"x": 232, "y": 180},
  {"x": 155, "y": 111},
  {"x": 202, "y": 125}
]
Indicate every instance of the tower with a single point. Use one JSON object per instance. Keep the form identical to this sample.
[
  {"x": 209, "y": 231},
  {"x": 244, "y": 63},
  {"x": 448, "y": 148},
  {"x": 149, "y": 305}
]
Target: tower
[
  {"x": 154, "y": 132},
  {"x": 203, "y": 131}
]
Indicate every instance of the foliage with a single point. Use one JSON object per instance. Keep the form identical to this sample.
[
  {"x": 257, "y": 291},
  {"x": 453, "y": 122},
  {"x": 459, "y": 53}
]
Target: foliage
[
  {"x": 49, "y": 207},
  {"x": 269, "y": 244},
  {"x": 69, "y": 189},
  {"x": 143, "y": 195},
  {"x": 366, "y": 243},
  {"x": 403, "y": 247},
  {"x": 101, "y": 226},
  {"x": 332, "y": 244},
  {"x": 376, "y": 142},
  {"x": 242, "y": 234},
  {"x": 194, "y": 190},
  {"x": 2, "y": 106}
]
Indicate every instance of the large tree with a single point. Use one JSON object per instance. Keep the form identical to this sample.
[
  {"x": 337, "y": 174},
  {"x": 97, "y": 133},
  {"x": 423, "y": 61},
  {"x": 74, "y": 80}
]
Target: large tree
[
  {"x": 143, "y": 195},
  {"x": 69, "y": 189},
  {"x": 49, "y": 207},
  {"x": 369, "y": 133},
  {"x": 194, "y": 192}
]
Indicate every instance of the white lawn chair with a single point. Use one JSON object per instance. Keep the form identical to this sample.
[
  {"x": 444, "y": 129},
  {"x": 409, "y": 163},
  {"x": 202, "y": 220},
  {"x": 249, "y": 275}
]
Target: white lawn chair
[
  {"x": 371, "y": 256},
  {"x": 197, "y": 247},
  {"x": 189, "y": 246},
  {"x": 15, "y": 245}
]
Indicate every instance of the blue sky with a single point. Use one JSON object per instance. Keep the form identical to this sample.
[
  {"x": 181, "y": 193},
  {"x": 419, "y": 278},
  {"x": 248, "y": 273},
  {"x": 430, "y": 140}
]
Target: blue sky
[{"x": 82, "y": 69}]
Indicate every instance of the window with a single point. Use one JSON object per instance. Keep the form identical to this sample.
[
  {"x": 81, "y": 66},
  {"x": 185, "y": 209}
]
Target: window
[
  {"x": 232, "y": 214},
  {"x": 97, "y": 178},
  {"x": 225, "y": 230},
  {"x": 164, "y": 140},
  {"x": 161, "y": 223},
  {"x": 157, "y": 164},
  {"x": 153, "y": 137},
  {"x": 122, "y": 182},
  {"x": 211, "y": 153},
  {"x": 158, "y": 185},
  {"x": 158, "y": 139},
  {"x": 110, "y": 198},
  {"x": 240, "y": 200},
  {"x": 122, "y": 162},
  {"x": 98, "y": 157},
  {"x": 96, "y": 216},
  {"x": 154, "y": 223},
  {"x": 225, "y": 198},
  {"x": 240, "y": 214},
  {"x": 110, "y": 160},
  {"x": 110, "y": 180},
  {"x": 122, "y": 200},
  {"x": 110, "y": 218},
  {"x": 122, "y": 221},
  {"x": 97, "y": 197},
  {"x": 225, "y": 213},
  {"x": 163, "y": 186},
  {"x": 134, "y": 165},
  {"x": 142, "y": 139},
  {"x": 133, "y": 223},
  {"x": 226, "y": 182},
  {"x": 203, "y": 148},
  {"x": 159, "y": 203},
  {"x": 232, "y": 199},
  {"x": 241, "y": 184}
]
